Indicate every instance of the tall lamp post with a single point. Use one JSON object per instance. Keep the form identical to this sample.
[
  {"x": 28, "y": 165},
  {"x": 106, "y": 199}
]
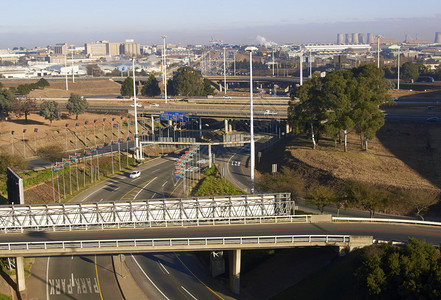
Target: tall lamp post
[
  {"x": 225, "y": 76},
  {"x": 378, "y": 49},
  {"x": 164, "y": 68},
  {"x": 136, "y": 113},
  {"x": 398, "y": 82},
  {"x": 250, "y": 50}
]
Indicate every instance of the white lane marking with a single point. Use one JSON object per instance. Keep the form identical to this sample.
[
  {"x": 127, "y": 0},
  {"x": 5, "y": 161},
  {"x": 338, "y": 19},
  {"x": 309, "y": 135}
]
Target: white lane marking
[
  {"x": 148, "y": 277},
  {"x": 189, "y": 293},
  {"x": 176, "y": 183},
  {"x": 163, "y": 267},
  {"x": 136, "y": 179},
  {"x": 101, "y": 200},
  {"x": 143, "y": 188},
  {"x": 164, "y": 183},
  {"x": 73, "y": 282},
  {"x": 155, "y": 171},
  {"x": 116, "y": 189},
  {"x": 90, "y": 195},
  {"x": 154, "y": 195},
  {"x": 47, "y": 278}
]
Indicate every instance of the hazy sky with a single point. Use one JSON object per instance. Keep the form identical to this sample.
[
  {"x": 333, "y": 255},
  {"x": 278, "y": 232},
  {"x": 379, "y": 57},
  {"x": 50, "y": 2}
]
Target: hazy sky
[{"x": 32, "y": 23}]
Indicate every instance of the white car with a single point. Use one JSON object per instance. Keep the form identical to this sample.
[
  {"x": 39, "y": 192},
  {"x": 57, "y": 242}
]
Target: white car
[
  {"x": 135, "y": 174},
  {"x": 268, "y": 112},
  {"x": 154, "y": 104},
  {"x": 227, "y": 97}
]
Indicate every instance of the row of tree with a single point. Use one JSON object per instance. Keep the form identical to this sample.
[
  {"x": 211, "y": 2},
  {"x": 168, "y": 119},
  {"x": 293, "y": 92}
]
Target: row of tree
[
  {"x": 340, "y": 102},
  {"x": 410, "y": 71},
  {"x": 348, "y": 194},
  {"x": 186, "y": 81},
  {"x": 390, "y": 272}
]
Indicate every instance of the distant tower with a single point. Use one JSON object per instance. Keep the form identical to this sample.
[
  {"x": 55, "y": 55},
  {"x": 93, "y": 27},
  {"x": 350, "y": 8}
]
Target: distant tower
[
  {"x": 340, "y": 38},
  {"x": 355, "y": 39},
  {"x": 370, "y": 38},
  {"x": 348, "y": 38},
  {"x": 437, "y": 37},
  {"x": 361, "y": 38}
]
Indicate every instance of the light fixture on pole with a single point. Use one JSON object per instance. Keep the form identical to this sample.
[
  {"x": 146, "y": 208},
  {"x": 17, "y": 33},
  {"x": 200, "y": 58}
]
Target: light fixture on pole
[
  {"x": 135, "y": 106},
  {"x": 252, "y": 159},
  {"x": 164, "y": 68},
  {"x": 378, "y": 49}
]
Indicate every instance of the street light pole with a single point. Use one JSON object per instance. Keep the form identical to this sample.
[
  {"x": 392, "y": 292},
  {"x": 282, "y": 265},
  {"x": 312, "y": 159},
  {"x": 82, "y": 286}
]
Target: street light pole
[
  {"x": 165, "y": 69},
  {"x": 398, "y": 82},
  {"x": 225, "y": 76},
  {"x": 252, "y": 162},
  {"x": 136, "y": 113},
  {"x": 301, "y": 67},
  {"x": 378, "y": 49}
]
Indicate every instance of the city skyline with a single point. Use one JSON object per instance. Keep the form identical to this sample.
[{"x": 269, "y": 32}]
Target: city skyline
[{"x": 45, "y": 22}]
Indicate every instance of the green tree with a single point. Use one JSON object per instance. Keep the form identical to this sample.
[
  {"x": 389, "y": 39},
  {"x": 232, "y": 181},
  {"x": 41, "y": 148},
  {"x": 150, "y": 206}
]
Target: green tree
[
  {"x": 6, "y": 103},
  {"x": 208, "y": 88},
  {"x": 42, "y": 83},
  {"x": 287, "y": 180},
  {"x": 151, "y": 88},
  {"x": 311, "y": 113},
  {"x": 127, "y": 87},
  {"x": 24, "y": 89},
  {"x": 49, "y": 110},
  {"x": 321, "y": 196},
  {"x": 187, "y": 81},
  {"x": 24, "y": 107},
  {"x": 420, "y": 201},
  {"x": 76, "y": 105},
  {"x": 409, "y": 71},
  {"x": 368, "y": 196}
]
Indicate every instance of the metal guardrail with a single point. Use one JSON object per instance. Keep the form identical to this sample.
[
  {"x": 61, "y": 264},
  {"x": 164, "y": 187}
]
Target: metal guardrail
[
  {"x": 380, "y": 220},
  {"x": 172, "y": 242}
]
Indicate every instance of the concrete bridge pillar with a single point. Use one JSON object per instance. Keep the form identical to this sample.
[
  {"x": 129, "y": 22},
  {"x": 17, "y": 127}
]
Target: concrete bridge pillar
[
  {"x": 234, "y": 259},
  {"x": 19, "y": 269},
  {"x": 170, "y": 123},
  {"x": 288, "y": 129},
  {"x": 217, "y": 263},
  {"x": 226, "y": 126},
  {"x": 230, "y": 126}
]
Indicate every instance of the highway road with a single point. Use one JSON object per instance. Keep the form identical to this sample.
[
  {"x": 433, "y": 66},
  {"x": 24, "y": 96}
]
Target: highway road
[{"x": 380, "y": 231}]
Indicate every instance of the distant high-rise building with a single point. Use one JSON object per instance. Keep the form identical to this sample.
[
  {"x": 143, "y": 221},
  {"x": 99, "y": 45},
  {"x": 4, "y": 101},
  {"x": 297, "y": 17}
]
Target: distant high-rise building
[
  {"x": 355, "y": 39},
  {"x": 60, "y": 49},
  {"x": 438, "y": 37},
  {"x": 370, "y": 38},
  {"x": 96, "y": 49},
  {"x": 361, "y": 38},
  {"x": 348, "y": 38},
  {"x": 130, "y": 48},
  {"x": 340, "y": 38}
]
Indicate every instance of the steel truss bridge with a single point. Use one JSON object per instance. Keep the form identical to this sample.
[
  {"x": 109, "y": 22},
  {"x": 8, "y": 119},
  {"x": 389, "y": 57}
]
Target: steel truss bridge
[{"x": 146, "y": 213}]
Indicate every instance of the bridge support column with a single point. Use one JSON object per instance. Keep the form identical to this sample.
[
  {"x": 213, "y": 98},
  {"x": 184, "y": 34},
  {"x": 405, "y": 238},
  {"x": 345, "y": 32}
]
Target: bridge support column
[
  {"x": 234, "y": 259},
  {"x": 200, "y": 127},
  {"x": 19, "y": 269},
  {"x": 230, "y": 126},
  {"x": 288, "y": 129},
  {"x": 217, "y": 263},
  {"x": 226, "y": 126}
]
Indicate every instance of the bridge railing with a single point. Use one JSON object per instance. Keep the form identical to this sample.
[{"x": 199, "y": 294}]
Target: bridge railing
[
  {"x": 154, "y": 212},
  {"x": 100, "y": 245},
  {"x": 169, "y": 223},
  {"x": 383, "y": 220}
]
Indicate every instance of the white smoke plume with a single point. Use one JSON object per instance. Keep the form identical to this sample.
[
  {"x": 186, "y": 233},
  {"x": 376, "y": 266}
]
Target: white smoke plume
[{"x": 263, "y": 42}]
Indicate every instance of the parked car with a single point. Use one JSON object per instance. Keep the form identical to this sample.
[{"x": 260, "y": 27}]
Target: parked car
[
  {"x": 184, "y": 99},
  {"x": 135, "y": 174},
  {"x": 154, "y": 104}
]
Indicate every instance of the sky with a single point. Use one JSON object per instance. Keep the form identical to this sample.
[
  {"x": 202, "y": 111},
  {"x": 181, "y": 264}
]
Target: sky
[{"x": 31, "y": 23}]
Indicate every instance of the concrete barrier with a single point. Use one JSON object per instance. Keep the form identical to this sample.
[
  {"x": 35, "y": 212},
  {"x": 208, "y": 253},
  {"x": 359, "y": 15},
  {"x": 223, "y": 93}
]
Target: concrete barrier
[{"x": 321, "y": 218}]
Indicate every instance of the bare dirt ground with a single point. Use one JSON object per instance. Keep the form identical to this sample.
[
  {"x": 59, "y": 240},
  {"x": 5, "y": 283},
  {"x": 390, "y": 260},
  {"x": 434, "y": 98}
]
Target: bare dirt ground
[{"x": 57, "y": 88}]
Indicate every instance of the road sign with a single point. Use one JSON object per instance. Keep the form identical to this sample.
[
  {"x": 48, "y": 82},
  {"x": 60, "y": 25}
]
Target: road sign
[{"x": 174, "y": 116}]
